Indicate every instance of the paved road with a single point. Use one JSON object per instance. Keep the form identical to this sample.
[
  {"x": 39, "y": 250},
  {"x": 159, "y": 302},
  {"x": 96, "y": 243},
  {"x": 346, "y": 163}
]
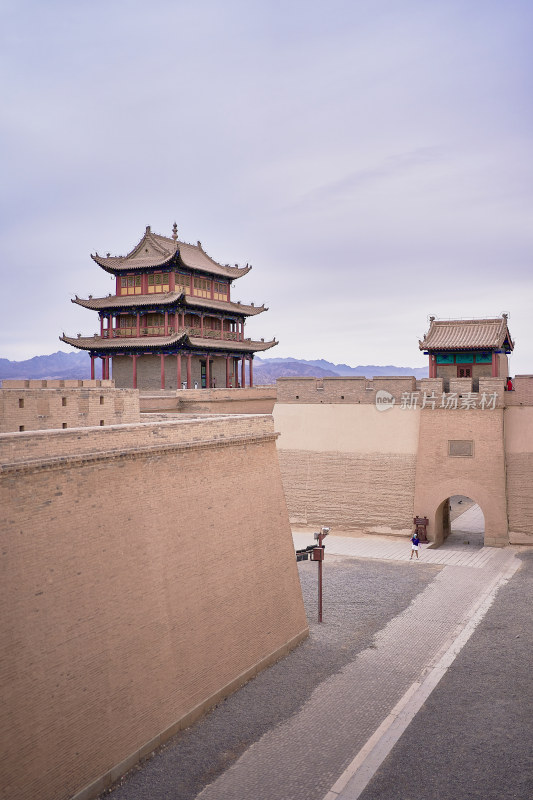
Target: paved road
[
  {"x": 453, "y": 551},
  {"x": 295, "y": 729},
  {"x": 473, "y": 738}
]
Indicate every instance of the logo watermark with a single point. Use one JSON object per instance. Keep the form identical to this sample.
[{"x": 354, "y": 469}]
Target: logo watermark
[
  {"x": 486, "y": 400},
  {"x": 384, "y": 400}
]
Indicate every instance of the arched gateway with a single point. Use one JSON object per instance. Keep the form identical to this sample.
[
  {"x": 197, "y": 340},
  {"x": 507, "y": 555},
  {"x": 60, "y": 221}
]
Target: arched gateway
[{"x": 445, "y": 519}]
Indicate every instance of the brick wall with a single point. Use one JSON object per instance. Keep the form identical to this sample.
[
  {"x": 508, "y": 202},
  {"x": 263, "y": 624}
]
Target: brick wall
[
  {"x": 355, "y": 468},
  {"x": 138, "y": 588},
  {"x": 371, "y": 493},
  {"x": 252, "y": 400},
  {"x": 523, "y": 392},
  {"x": 41, "y": 405},
  {"x": 340, "y": 390},
  {"x": 519, "y": 467},
  {"x": 349, "y": 466},
  {"x": 439, "y": 474}
]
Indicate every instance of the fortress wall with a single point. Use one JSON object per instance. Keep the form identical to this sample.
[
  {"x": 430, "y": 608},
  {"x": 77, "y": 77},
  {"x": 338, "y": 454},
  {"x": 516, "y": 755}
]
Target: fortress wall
[
  {"x": 340, "y": 390},
  {"x": 251, "y": 400},
  {"x": 345, "y": 463},
  {"x": 70, "y": 404},
  {"x": 348, "y": 466},
  {"x": 519, "y": 464},
  {"x": 523, "y": 391},
  {"x": 94, "y": 444},
  {"x": 138, "y": 588},
  {"x": 481, "y": 476}
]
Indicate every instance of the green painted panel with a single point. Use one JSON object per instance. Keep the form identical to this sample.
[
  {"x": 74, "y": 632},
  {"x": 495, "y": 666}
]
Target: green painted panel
[
  {"x": 483, "y": 358},
  {"x": 464, "y": 358},
  {"x": 444, "y": 358}
]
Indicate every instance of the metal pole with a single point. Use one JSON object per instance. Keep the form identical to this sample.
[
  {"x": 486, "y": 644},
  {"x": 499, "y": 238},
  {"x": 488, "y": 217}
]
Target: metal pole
[
  {"x": 320, "y": 537},
  {"x": 320, "y": 591}
]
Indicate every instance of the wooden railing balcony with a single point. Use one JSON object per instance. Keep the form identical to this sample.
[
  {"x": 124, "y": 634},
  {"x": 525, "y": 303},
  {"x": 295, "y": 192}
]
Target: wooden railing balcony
[{"x": 159, "y": 330}]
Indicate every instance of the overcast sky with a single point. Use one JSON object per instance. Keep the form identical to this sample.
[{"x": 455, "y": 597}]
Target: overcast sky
[{"x": 371, "y": 158}]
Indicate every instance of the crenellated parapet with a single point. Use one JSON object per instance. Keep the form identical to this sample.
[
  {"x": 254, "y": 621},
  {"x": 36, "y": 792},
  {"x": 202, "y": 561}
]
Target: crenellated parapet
[{"x": 406, "y": 392}]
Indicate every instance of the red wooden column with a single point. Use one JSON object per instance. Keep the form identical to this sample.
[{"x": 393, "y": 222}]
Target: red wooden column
[
  {"x": 166, "y": 323},
  {"x": 178, "y": 360},
  {"x": 207, "y": 372},
  {"x": 251, "y": 371},
  {"x": 494, "y": 364},
  {"x": 189, "y": 357},
  {"x": 236, "y": 372},
  {"x": 176, "y": 321},
  {"x": 243, "y": 370},
  {"x": 134, "y": 371},
  {"x": 227, "y": 373},
  {"x": 432, "y": 365},
  {"x": 102, "y": 326}
]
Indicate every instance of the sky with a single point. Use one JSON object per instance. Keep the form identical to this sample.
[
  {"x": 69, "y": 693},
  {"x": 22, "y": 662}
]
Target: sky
[{"x": 372, "y": 159}]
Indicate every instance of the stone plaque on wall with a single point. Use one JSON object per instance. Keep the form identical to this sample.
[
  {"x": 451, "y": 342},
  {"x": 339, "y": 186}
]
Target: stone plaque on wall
[{"x": 460, "y": 447}]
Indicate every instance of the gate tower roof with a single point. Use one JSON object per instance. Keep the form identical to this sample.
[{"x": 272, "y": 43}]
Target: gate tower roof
[
  {"x": 468, "y": 334},
  {"x": 155, "y": 251}
]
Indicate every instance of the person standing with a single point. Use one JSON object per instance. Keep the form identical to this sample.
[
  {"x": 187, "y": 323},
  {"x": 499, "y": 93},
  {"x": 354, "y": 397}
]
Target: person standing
[{"x": 415, "y": 544}]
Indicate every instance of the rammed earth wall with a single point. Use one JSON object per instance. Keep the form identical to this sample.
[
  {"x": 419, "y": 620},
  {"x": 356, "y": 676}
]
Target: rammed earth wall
[
  {"x": 364, "y": 454},
  {"x": 138, "y": 588}
]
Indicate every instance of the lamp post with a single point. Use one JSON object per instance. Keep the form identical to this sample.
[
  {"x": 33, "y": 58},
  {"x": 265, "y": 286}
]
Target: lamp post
[{"x": 318, "y": 555}]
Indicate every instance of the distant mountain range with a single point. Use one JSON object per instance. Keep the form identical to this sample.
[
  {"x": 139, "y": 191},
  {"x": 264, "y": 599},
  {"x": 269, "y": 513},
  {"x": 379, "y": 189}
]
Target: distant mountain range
[{"x": 266, "y": 370}]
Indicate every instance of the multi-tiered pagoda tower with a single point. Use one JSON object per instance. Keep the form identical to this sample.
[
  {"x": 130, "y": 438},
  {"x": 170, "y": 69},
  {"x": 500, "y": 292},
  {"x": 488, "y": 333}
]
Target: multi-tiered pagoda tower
[{"x": 171, "y": 322}]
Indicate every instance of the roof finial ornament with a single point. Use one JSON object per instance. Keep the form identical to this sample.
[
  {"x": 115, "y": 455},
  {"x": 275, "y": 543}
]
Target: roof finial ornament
[
  {"x": 175, "y": 232},
  {"x": 432, "y": 319},
  {"x": 505, "y": 315}
]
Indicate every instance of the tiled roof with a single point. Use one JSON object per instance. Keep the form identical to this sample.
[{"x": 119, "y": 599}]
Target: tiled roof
[
  {"x": 127, "y": 301},
  {"x": 153, "y": 342},
  {"x": 467, "y": 334},
  {"x": 133, "y": 301},
  {"x": 159, "y": 251},
  {"x": 222, "y": 344},
  {"x": 121, "y": 342},
  {"x": 223, "y": 305}
]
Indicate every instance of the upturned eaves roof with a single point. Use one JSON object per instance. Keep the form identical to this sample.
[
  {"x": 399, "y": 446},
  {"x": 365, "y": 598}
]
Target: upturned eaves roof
[
  {"x": 155, "y": 251},
  {"x": 113, "y": 302},
  {"x": 153, "y": 342},
  {"x": 467, "y": 334}
]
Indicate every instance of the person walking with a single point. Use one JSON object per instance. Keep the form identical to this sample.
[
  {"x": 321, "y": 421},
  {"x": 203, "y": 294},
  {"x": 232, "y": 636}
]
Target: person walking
[{"x": 415, "y": 545}]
